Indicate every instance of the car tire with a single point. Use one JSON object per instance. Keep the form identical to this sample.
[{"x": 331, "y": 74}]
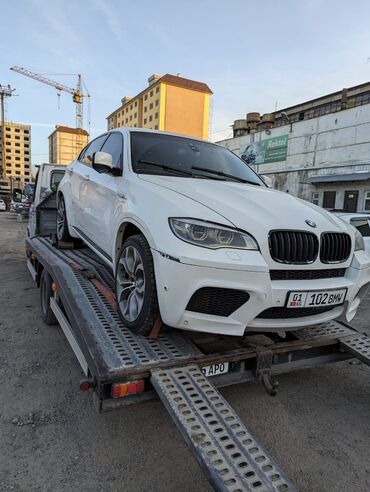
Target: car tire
[
  {"x": 136, "y": 291},
  {"x": 46, "y": 293},
  {"x": 62, "y": 222}
]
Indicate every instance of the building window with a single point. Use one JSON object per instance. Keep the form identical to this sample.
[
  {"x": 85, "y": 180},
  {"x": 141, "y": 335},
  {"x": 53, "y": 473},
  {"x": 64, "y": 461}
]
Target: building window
[
  {"x": 26, "y": 159},
  {"x": 151, "y": 93},
  {"x": 7, "y": 135},
  {"x": 151, "y": 106},
  {"x": 367, "y": 200},
  {"x": 157, "y": 102},
  {"x": 156, "y": 115},
  {"x": 156, "y": 127},
  {"x": 130, "y": 117},
  {"x": 329, "y": 199},
  {"x": 17, "y": 130},
  {"x": 17, "y": 165},
  {"x": 17, "y": 158},
  {"x": 7, "y": 129},
  {"x": 17, "y": 145},
  {"x": 135, "y": 115},
  {"x": 150, "y": 118},
  {"x": 157, "y": 89},
  {"x": 315, "y": 197},
  {"x": 145, "y": 97},
  {"x": 135, "y": 104},
  {"x": 145, "y": 109},
  {"x": 17, "y": 172},
  {"x": 18, "y": 152},
  {"x": 145, "y": 120}
]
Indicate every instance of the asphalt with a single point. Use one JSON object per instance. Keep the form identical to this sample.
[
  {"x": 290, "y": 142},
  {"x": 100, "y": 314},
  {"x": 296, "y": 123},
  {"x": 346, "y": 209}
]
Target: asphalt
[{"x": 52, "y": 439}]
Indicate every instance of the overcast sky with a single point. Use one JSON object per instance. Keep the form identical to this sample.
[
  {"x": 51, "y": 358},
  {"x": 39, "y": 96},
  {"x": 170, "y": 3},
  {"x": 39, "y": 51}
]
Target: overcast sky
[{"x": 254, "y": 55}]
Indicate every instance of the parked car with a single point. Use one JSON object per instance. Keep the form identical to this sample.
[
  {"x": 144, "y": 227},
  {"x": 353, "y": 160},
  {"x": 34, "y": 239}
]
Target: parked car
[
  {"x": 361, "y": 222},
  {"x": 194, "y": 235},
  {"x": 2, "y": 205}
]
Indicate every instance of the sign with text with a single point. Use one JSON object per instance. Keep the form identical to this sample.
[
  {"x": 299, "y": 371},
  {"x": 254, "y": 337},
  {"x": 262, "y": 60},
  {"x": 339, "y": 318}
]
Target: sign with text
[{"x": 265, "y": 151}]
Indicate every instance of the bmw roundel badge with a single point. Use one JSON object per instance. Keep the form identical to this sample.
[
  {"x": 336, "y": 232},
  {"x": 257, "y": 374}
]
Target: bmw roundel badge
[{"x": 310, "y": 223}]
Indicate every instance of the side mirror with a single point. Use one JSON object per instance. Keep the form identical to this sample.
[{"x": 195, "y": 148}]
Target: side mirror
[
  {"x": 17, "y": 195},
  {"x": 267, "y": 180},
  {"x": 54, "y": 187},
  {"x": 102, "y": 162}
]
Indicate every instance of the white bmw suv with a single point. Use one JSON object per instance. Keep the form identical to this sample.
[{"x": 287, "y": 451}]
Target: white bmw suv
[{"x": 196, "y": 237}]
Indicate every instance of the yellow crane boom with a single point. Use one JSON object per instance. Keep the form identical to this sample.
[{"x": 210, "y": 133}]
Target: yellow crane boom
[{"x": 77, "y": 94}]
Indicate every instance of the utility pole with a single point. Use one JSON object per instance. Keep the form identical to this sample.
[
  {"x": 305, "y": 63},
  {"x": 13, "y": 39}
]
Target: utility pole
[{"x": 5, "y": 91}]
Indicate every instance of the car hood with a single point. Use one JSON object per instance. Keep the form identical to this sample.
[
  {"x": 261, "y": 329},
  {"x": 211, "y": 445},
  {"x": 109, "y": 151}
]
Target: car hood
[{"x": 254, "y": 209}]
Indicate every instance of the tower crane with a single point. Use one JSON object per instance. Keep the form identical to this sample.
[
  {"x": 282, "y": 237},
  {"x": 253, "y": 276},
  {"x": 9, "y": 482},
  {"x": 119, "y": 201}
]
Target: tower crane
[{"x": 77, "y": 94}]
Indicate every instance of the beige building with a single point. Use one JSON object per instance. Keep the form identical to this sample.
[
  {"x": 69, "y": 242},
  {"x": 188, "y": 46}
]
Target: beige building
[
  {"x": 66, "y": 143},
  {"x": 16, "y": 168},
  {"x": 169, "y": 103}
]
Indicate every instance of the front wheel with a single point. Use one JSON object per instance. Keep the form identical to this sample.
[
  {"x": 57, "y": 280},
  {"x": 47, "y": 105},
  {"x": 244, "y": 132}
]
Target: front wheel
[
  {"x": 136, "y": 291},
  {"x": 62, "y": 223}
]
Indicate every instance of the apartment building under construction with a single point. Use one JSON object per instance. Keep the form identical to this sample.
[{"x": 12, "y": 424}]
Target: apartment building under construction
[{"x": 15, "y": 160}]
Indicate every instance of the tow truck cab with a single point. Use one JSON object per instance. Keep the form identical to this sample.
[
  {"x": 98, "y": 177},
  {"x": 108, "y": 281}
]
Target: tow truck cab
[{"x": 47, "y": 180}]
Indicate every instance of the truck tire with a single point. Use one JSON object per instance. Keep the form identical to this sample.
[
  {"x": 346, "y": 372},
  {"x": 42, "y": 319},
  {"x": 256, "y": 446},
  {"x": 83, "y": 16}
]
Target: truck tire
[
  {"x": 62, "y": 223},
  {"x": 45, "y": 293},
  {"x": 136, "y": 291}
]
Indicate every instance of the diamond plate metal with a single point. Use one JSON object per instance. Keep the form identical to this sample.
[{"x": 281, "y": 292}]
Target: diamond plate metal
[
  {"x": 330, "y": 329},
  {"x": 131, "y": 349},
  {"x": 223, "y": 446},
  {"x": 358, "y": 345}
]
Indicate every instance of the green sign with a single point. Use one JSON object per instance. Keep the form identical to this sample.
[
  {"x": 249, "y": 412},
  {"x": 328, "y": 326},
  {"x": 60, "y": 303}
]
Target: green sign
[{"x": 265, "y": 151}]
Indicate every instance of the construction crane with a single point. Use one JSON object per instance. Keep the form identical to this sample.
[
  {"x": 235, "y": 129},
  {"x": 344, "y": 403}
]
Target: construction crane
[{"x": 77, "y": 94}]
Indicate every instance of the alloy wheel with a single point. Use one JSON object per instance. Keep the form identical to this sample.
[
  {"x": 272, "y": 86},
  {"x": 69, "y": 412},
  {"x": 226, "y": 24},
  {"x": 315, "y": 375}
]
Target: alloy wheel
[{"x": 130, "y": 283}]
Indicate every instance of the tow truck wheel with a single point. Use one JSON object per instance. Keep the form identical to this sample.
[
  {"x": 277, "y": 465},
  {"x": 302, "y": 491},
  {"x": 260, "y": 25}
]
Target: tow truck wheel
[
  {"x": 136, "y": 291},
  {"x": 45, "y": 294},
  {"x": 62, "y": 223}
]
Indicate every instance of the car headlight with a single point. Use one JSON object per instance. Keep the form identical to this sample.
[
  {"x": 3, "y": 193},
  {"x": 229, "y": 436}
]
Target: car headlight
[
  {"x": 359, "y": 241},
  {"x": 210, "y": 235}
]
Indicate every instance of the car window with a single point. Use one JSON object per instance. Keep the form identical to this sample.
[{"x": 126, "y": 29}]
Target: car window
[
  {"x": 94, "y": 146},
  {"x": 362, "y": 225},
  {"x": 149, "y": 151},
  {"x": 114, "y": 146},
  {"x": 56, "y": 177}
]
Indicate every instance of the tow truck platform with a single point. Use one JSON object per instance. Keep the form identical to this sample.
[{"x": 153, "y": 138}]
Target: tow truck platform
[{"x": 183, "y": 369}]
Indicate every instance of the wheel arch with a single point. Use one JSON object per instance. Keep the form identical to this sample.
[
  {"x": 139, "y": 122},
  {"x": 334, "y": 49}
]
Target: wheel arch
[{"x": 127, "y": 228}]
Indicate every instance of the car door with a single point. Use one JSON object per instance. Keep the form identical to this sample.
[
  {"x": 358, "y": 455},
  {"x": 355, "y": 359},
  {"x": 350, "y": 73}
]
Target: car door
[
  {"x": 100, "y": 196},
  {"x": 80, "y": 173}
]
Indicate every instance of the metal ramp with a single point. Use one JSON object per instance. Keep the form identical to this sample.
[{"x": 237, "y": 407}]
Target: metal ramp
[
  {"x": 229, "y": 455},
  {"x": 357, "y": 345}
]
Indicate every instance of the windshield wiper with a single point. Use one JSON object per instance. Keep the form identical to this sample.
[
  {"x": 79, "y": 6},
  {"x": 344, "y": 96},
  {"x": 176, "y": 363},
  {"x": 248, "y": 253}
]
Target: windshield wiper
[
  {"x": 225, "y": 175},
  {"x": 164, "y": 167}
]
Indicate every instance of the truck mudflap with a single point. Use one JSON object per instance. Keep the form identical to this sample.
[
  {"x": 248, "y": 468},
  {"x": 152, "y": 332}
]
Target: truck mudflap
[{"x": 228, "y": 453}]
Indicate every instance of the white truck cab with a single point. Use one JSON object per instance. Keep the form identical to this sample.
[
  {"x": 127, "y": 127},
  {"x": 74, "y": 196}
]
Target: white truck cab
[{"x": 47, "y": 181}]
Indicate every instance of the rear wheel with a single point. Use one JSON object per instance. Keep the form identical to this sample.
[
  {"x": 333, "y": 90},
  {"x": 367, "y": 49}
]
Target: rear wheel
[
  {"x": 46, "y": 293},
  {"x": 136, "y": 291},
  {"x": 62, "y": 223}
]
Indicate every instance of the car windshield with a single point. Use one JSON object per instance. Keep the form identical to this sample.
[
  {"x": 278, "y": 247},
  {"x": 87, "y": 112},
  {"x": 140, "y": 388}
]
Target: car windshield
[{"x": 170, "y": 155}]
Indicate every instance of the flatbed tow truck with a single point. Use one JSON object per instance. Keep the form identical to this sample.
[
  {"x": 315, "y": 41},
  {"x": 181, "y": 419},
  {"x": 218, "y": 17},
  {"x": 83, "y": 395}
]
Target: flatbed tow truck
[{"x": 183, "y": 369}]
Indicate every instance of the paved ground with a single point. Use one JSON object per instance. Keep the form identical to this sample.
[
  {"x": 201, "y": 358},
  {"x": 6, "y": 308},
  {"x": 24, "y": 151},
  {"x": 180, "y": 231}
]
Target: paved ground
[{"x": 51, "y": 437}]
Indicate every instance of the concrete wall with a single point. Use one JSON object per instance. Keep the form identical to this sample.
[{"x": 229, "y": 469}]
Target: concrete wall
[{"x": 336, "y": 143}]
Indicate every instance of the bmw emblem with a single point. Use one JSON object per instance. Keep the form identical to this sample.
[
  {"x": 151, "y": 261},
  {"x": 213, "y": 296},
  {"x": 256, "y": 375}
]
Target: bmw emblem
[{"x": 310, "y": 223}]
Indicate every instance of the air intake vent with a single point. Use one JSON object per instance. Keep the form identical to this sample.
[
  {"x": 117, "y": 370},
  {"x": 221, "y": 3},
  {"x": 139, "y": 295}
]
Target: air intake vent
[
  {"x": 335, "y": 247},
  {"x": 284, "y": 313},
  {"x": 307, "y": 274},
  {"x": 294, "y": 247},
  {"x": 217, "y": 301}
]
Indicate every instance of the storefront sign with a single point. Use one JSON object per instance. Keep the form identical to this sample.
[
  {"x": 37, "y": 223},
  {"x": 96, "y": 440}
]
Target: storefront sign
[{"x": 265, "y": 151}]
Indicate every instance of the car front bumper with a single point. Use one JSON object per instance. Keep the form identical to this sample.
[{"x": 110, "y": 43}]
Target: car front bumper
[{"x": 177, "y": 280}]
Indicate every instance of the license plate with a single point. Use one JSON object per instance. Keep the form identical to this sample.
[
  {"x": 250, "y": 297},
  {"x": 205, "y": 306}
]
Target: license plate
[
  {"x": 215, "y": 369},
  {"x": 316, "y": 298}
]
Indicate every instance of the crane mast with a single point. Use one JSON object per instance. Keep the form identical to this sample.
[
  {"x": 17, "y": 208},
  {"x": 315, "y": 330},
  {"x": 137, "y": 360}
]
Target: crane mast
[{"x": 77, "y": 94}]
